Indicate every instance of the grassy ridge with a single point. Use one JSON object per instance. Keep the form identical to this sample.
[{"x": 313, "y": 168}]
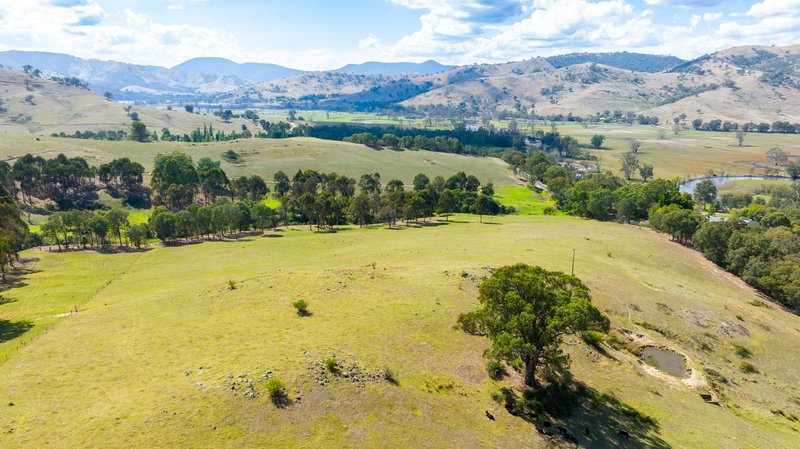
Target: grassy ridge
[
  {"x": 266, "y": 156},
  {"x": 117, "y": 371}
]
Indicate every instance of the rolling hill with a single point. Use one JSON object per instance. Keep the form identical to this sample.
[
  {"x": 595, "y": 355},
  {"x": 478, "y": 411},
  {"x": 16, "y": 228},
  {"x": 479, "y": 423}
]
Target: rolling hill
[
  {"x": 739, "y": 84},
  {"x": 638, "y": 62},
  {"x": 39, "y": 106},
  {"x": 395, "y": 68},
  {"x": 137, "y": 82},
  {"x": 163, "y": 354}
]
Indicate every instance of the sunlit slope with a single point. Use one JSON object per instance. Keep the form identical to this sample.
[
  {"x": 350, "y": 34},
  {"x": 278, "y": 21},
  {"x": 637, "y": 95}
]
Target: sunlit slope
[
  {"x": 266, "y": 156},
  {"x": 38, "y": 106},
  {"x": 146, "y": 363}
]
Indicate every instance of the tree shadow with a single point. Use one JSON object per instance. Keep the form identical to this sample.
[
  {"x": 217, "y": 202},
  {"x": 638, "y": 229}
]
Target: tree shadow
[
  {"x": 280, "y": 399},
  {"x": 583, "y": 416},
  {"x": 10, "y": 330}
]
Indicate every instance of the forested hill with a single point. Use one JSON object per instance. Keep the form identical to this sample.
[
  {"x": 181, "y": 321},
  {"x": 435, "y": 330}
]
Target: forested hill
[{"x": 637, "y": 62}]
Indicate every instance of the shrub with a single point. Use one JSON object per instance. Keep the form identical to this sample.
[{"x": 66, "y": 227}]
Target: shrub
[
  {"x": 389, "y": 375},
  {"x": 748, "y": 368},
  {"x": 496, "y": 370},
  {"x": 302, "y": 307},
  {"x": 276, "y": 389},
  {"x": 593, "y": 338},
  {"x": 332, "y": 365},
  {"x": 231, "y": 285},
  {"x": 549, "y": 210},
  {"x": 742, "y": 352}
]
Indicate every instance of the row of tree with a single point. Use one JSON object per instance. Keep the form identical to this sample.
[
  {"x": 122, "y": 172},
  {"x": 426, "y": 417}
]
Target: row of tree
[
  {"x": 780, "y": 127},
  {"x": 69, "y": 182}
]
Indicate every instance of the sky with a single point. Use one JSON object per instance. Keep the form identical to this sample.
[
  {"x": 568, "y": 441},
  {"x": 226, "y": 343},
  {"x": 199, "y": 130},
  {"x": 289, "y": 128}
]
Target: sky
[{"x": 327, "y": 34}]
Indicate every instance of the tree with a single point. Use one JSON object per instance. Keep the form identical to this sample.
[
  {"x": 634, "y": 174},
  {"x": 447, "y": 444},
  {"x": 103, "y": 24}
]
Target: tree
[
  {"x": 138, "y": 234},
  {"x": 597, "y": 141},
  {"x": 705, "y": 192},
  {"x": 174, "y": 179},
  {"x": 676, "y": 128},
  {"x": 777, "y": 155},
  {"x": 108, "y": 95},
  {"x": 662, "y": 134},
  {"x": 139, "y": 132},
  {"x": 117, "y": 222},
  {"x": 482, "y": 206},
  {"x": 421, "y": 182},
  {"x": 635, "y": 145},
  {"x": 793, "y": 169},
  {"x": 447, "y": 202},
  {"x": 188, "y": 108},
  {"x": 282, "y": 184},
  {"x": 646, "y": 171},
  {"x": 740, "y": 135},
  {"x": 526, "y": 311},
  {"x": 629, "y": 163}
]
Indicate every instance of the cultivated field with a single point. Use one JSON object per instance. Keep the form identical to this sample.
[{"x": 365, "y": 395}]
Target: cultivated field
[
  {"x": 689, "y": 154},
  {"x": 160, "y": 339}
]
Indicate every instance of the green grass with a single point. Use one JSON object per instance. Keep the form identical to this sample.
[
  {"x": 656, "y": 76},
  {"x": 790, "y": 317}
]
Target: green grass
[
  {"x": 525, "y": 201},
  {"x": 266, "y": 156},
  {"x": 750, "y": 186},
  {"x": 689, "y": 154},
  {"x": 117, "y": 371}
]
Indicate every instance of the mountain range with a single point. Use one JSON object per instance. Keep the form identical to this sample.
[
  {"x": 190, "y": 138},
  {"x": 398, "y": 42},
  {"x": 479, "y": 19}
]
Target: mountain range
[{"x": 748, "y": 83}]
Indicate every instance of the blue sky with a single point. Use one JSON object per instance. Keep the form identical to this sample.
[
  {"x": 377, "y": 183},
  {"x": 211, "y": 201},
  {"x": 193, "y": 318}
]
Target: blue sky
[{"x": 324, "y": 34}]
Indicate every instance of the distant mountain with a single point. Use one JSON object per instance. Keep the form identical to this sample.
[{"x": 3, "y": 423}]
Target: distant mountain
[
  {"x": 29, "y": 104},
  {"x": 188, "y": 81},
  {"x": 251, "y": 71},
  {"x": 637, "y": 62},
  {"x": 395, "y": 68}
]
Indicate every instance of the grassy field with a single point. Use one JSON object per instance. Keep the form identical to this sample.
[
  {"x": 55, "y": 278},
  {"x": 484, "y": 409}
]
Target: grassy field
[
  {"x": 689, "y": 154},
  {"x": 525, "y": 201},
  {"x": 160, "y": 338},
  {"x": 266, "y": 156}
]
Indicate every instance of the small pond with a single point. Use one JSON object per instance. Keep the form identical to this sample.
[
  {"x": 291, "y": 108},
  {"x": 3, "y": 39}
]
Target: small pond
[
  {"x": 688, "y": 186},
  {"x": 665, "y": 360}
]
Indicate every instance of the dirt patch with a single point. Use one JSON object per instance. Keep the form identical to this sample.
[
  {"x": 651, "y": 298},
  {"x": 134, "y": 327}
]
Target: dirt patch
[{"x": 471, "y": 373}]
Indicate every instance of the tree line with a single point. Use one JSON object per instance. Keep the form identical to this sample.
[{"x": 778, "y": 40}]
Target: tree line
[
  {"x": 67, "y": 183},
  {"x": 779, "y": 127}
]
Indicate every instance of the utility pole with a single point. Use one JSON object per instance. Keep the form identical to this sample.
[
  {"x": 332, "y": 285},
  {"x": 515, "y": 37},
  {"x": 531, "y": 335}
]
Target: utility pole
[{"x": 573, "y": 261}]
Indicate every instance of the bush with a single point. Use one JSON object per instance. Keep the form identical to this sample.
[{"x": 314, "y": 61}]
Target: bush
[
  {"x": 231, "y": 285},
  {"x": 389, "y": 375},
  {"x": 748, "y": 368},
  {"x": 332, "y": 365},
  {"x": 742, "y": 352},
  {"x": 276, "y": 389},
  {"x": 593, "y": 338},
  {"x": 549, "y": 210},
  {"x": 496, "y": 370},
  {"x": 302, "y": 307}
]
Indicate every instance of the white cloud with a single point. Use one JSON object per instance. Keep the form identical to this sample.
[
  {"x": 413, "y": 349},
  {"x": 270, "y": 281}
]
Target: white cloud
[
  {"x": 134, "y": 19},
  {"x": 369, "y": 42},
  {"x": 175, "y": 7},
  {"x": 774, "y": 7}
]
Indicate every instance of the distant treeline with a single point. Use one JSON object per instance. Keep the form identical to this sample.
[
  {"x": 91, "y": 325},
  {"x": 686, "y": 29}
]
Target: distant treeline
[
  {"x": 482, "y": 138},
  {"x": 780, "y": 127}
]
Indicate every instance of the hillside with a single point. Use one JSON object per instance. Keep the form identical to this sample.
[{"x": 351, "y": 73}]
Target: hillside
[
  {"x": 740, "y": 84},
  {"x": 39, "y": 106},
  {"x": 248, "y": 72},
  {"x": 310, "y": 87},
  {"x": 163, "y": 354},
  {"x": 637, "y": 62},
  {"x": 395, "y": 68},
  {"x": 138, "y": 82},
  {"x": 266, "y": 156}
]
